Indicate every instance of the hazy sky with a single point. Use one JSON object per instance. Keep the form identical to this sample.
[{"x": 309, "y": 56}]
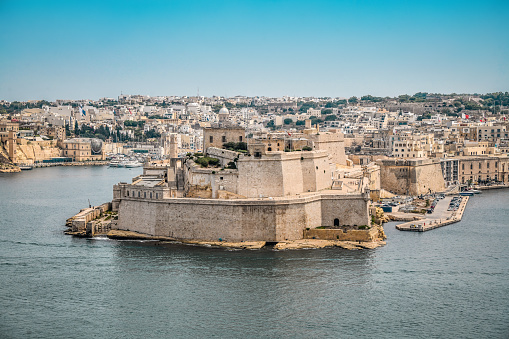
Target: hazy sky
[{"x": 91, "y": 49}]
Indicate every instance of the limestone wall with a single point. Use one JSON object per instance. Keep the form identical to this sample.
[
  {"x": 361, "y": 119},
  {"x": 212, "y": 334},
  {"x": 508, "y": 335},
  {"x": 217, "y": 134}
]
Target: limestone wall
[
  {"x": 210, "y": 179},
  {"x": 283, "y": 174},
  {"x": 224, "y": 155},
  {"x": 333, "y": 143},
  {"x": 413, "y": 177},
  {"x": 338, "y": 234},
  {"x": 241, "y": 219},
  {"x": 32, "y": 151},
  {"x": 348, "y": 209},
  {"x": 216, "y": 137}
]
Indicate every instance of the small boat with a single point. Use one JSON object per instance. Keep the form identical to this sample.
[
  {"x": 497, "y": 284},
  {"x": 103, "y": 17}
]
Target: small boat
[
  {"x": 26, "y": 167},
  {"x": 467, "y": 194},
  {"x": 132, "y": 164},
  {"x": 115, "y": 163},
  {"x": 476, "y": 191}
]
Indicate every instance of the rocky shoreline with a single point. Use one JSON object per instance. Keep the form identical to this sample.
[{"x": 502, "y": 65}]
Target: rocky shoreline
[{"x": 284, "y": 245}]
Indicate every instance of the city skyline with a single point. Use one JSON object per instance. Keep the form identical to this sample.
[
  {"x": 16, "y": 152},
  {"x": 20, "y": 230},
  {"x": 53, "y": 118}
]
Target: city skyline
[{"x": 61, "y": 50}]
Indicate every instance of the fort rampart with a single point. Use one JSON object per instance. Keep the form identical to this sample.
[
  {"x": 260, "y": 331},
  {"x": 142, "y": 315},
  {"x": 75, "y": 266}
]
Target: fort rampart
[{"x": 270, "y": 220}]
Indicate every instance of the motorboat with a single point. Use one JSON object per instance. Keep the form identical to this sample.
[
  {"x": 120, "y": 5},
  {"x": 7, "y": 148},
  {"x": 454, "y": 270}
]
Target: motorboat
[
  {"x": 116, "y": 163},
  {"x": 132, "y": 164}
]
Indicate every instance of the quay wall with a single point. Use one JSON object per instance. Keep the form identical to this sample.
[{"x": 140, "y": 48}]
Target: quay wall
[
  {"x": 241, "y": 219},
  {"x": 338, "y": 234}
]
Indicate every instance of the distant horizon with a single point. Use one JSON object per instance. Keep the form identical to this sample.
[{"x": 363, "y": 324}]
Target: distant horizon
[
  {"x": 92, "y": 49},
  {"x": 253, "y": 96}
]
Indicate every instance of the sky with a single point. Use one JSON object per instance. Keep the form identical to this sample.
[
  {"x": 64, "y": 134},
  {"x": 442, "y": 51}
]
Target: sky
[{"x": 92, "y": 49}]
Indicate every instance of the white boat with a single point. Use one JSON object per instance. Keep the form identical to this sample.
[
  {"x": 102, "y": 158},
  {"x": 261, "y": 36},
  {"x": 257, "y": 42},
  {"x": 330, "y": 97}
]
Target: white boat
[
  {"x": 116, "y": 163},
  {"x": 26, "y": 167},
  {"x": 132, "y": 163}
]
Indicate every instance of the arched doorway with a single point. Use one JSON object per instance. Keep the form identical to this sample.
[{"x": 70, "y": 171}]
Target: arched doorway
[{"x": 336, "y": 222}]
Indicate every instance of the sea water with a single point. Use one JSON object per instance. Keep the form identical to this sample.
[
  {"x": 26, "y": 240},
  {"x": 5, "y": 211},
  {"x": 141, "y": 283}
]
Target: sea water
[{"x": 451, "y": 282}]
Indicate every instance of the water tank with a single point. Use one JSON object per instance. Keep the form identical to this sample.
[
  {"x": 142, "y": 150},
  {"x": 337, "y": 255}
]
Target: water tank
[{"x": 96, "y": 145}]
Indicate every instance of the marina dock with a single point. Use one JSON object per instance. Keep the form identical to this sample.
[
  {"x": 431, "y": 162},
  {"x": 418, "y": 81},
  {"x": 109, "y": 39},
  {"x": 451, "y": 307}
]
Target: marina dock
[{"x": 439, "y": 218}]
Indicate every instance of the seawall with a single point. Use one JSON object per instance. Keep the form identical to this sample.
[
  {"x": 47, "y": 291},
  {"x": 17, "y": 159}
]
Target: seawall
[{"x": 271, "y": 220}]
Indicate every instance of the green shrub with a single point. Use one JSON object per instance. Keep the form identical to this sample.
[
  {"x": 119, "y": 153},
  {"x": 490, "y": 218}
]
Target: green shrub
[
  {"x": 307, "y": 148},
  {"x": 231, "y": 165},
  {"x": 206, "y": 161},
  {"x": 364, "y": 227}
]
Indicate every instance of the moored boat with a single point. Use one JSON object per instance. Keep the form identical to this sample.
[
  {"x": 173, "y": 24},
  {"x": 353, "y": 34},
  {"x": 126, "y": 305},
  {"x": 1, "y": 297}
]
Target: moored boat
[
  {"x": 132, "y": 164},
  {"x": 466, "y": 193}
]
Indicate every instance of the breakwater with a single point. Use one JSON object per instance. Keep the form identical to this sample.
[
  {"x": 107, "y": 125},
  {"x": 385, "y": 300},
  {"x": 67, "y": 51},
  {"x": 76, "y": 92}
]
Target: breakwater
[{"x": 427, "y": 224}]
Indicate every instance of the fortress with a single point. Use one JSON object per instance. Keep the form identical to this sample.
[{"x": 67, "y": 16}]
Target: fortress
[{"x": 247, "y": 194}]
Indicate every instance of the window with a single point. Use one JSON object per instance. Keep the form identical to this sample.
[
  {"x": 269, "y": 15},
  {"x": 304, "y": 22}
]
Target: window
[
  {"x": 336, "y": 222},
  {"x": 240, "y": 138},
  {"x": 462, "y": 166},
  {"x": 223, "y": 138},
  {"x": 211, "y": 139}
]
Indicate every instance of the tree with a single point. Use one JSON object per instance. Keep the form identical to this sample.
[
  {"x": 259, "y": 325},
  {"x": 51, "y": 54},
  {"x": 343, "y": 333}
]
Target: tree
[
  {"x": 404, "y": 98},
  {"x": 353, "y": 100},
  {"x": 288, "y": 121},
  {"x": 331, "y": 117}
]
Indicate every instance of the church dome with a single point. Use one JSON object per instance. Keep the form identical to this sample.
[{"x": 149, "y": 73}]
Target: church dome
[{"x": 224, "y": 110}]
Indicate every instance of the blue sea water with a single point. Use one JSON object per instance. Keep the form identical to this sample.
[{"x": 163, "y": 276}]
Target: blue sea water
[{"x": 452, "y": 282}]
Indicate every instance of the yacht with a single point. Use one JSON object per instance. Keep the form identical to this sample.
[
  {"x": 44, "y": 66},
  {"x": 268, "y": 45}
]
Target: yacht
[{"x": 132, "y": 163}]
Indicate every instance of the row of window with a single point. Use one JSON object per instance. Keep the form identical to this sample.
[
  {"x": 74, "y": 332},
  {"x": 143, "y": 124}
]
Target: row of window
[
  {"x": 133, "y": 194},
  {"x": 480, "y": 165},
  {"x": 223, "y": 139}
]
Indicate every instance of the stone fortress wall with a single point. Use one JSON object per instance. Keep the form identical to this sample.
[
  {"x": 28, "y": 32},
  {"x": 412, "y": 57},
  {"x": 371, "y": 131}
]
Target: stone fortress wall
[
  {"x": 240, "y": 220},
  {"x": 411, "y": 177},
  {"x": 274, "y": 174}
]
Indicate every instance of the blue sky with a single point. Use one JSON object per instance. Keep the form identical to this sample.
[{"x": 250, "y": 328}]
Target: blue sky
[{"x": 91, "y": 49}]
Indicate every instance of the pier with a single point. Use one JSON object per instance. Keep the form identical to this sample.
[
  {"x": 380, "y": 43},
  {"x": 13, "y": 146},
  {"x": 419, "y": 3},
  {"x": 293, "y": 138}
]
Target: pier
[{"x": 439, "y": 218}]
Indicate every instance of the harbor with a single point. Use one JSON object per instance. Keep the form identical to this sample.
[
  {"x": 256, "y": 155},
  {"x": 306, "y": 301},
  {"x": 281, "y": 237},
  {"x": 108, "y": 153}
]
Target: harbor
[{"x": 441, "y": 216}]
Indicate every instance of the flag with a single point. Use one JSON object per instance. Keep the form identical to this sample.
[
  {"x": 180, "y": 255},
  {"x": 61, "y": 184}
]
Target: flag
[
  {"x": 466, "y": 116},
  {"x": 289, "y": 133},
  {"x": 82, "y": 111},
  {"x": 130, "y": 111}
]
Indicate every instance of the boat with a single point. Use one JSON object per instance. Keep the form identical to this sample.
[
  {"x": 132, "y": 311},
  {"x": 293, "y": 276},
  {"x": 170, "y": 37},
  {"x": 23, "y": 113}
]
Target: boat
[
  {"x": 475, "y": 191},
  {"x": 115, "y": 163},
  {"x": 132, "y": 164},
  {"x": 467, "y": 194},
  {"x": 26, "y": 167}
]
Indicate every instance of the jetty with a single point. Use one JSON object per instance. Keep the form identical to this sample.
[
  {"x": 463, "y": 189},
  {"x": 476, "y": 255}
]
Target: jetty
[{"x": 439, "y": 218}]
